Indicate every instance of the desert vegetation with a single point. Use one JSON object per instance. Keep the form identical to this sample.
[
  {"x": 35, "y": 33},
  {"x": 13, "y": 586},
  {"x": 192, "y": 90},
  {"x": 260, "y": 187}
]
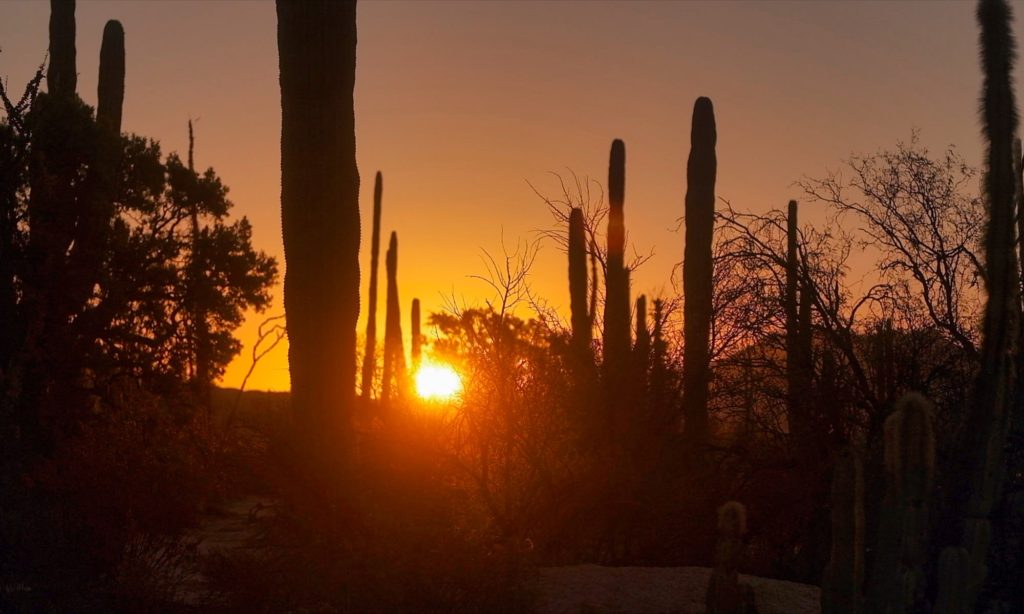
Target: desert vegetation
[{"x": 770, "y": 416}]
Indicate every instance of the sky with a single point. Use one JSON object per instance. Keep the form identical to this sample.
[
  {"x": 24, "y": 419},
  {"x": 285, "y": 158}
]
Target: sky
[{"x": 463, "y": 104}]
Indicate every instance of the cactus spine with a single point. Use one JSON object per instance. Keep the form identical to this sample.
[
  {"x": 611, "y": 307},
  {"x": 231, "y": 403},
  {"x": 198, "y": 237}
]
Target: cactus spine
[
  {"x": 417, "y": 338},
  {"x": 392, "y": 382},
  {"x": 898, "y": 582},
  {"x": 370, "y": 355},
  {"x": 990, "y": 410},
  {"x": 581, "y": 323},
  {"x": 320, "y": 216},
  {"x": 841, "y": 585},
  {"x": 701, "y": 170}
]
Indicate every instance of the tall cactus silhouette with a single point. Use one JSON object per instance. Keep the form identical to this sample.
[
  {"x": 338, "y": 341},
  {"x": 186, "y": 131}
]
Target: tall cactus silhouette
[
  {"x": 701, "y": 170},
  {"x": 897, "y": 579},
  {"x": 841, "y": 584},
  {"x": 110, "y": 88},
  {"x": 417, "y": 337},
  {"x": 796, "y": 390},
  {"x": 320, "y": 212},
  {"x": 370, "y": 355},
  {"x": 62, "y": 74},
  {"x": 615, "y": 366},
  {"x": 393, "y": 378},
  {"x": 988, "y": 420},
  {"x": 616, "y": 307},
  {"x": 581, "y": 322}
]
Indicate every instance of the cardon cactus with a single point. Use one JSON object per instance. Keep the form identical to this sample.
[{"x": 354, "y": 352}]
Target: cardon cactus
[
  {"x": 370, "y": 355},
  {"x": 954, "y": 568},
  {"x": 993, "y": 399},
  {"x": 393, "y": 380},
  {"x": 617, "y": 344},
  {"x": 725, "y": 594},
  {"x": 616, "y": 307},
  {"x": 844, "y": 575},
  {"x": 417, "y": 338},
  {"x": 581, "y": 322},
  {"x": 898, "y": 582},
  {"x": 320, "y": 217},
  {"x": 61, "y": 75},
  {"x": 701, "y": 170}
]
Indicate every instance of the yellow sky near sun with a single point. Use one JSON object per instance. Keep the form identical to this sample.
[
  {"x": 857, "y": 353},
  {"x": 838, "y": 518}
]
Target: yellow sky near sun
[{"x": 461, "y": 104}]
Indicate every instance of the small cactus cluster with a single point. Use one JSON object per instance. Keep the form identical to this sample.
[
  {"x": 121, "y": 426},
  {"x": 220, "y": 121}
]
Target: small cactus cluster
[
  {"x": 726, "y": 594},
  {"x": 898, "y": 580}
]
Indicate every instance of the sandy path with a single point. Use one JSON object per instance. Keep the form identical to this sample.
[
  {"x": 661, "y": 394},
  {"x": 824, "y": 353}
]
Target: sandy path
[{"x": 647, "y": 590}]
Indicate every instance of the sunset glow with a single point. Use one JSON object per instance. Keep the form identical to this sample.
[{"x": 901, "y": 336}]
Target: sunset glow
[{"x": 437, "y": 382}]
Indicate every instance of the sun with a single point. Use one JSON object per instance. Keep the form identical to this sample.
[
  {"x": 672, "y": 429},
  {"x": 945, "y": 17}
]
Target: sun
[{"x": 437, "y": 382}]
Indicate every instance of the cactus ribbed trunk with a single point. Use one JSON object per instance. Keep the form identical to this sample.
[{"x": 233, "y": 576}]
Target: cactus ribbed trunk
[
  {"x": 794, "y": 392},
  {"x": 62, "y": 74},
  {"x": 841, "y": 584},
  {"x": 994, "y": 389},
  {"x": 581, "y": 323},
  {"x": 616, "y": 307},
  {"x": 393, "y": 378},
  {"x": 201, "y": 376},
  {"x": 110, "y": 89},
  {"x": 897, "y": 579},
  {"x": 417, "y": 338},
  {"x": 320, "y": 214},
  {"x": 370, "y": 356},
  {"x": 701, "y": 170}
]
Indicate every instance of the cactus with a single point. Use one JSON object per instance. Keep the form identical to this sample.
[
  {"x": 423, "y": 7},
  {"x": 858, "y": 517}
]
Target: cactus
[
  {"x": 898, "y": 582},
  {"x": 320, "y": 216},
  {"x": 370, "y": 355},
  {"x": 97, "y": 208},
  {"x": 62, "y": 74},
  {"x": 417, "y": 338},
  {"x": 616, "y": 307},
  {"x": 954, "y": 567},
  {"x": 581, "y": 322},
  {"x": 642, "y": 348},
  {"x": 393, "y": 379},
  {"x": 841, "y": 584},
  {"x": 725, "y": 594},
  {"x": 697, "y": 274},
  {"x": 794, "y": 391},
  {"x": 988, "y": 420}
]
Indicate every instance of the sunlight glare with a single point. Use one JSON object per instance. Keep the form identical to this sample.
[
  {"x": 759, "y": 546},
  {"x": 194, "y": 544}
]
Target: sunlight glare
[{"x": 437, "y": 382}]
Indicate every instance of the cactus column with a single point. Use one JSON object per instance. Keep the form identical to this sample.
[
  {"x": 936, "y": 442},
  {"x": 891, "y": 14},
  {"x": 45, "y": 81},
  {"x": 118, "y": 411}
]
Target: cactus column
[
  {"x": 841, "y": 585},
  {"x": 701, "y": 170},
  {"x": 393, "y": 379},
  {"x": 370, "y": 356},
  {"x": 320, "y": 213},
  {"x": 581, "y": 324},
  {"x": 988, "y": 420},
  {"x": 616, "y": 306},
  {"x": 897, "y": 579},
  {"x": 417, "y": 337}
]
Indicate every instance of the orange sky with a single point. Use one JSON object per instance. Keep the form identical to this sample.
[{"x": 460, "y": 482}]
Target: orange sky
[{"x": 460, "y": 104}]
